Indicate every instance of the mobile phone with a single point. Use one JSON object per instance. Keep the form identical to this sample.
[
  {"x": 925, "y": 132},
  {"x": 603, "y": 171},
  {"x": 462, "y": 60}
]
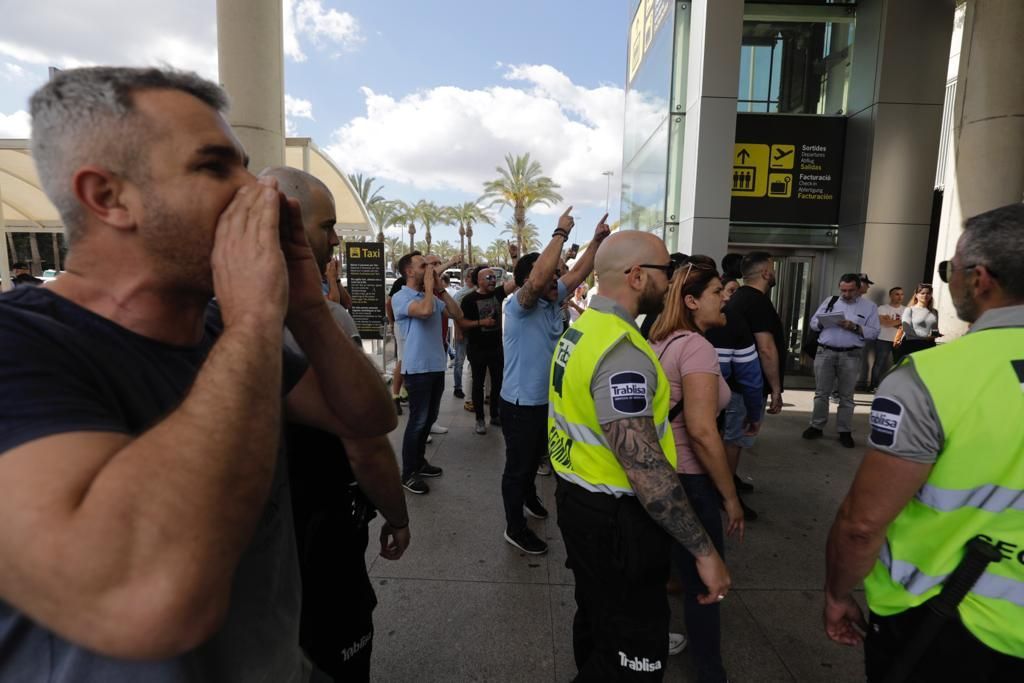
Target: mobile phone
[{"x": 573, "y": 249}]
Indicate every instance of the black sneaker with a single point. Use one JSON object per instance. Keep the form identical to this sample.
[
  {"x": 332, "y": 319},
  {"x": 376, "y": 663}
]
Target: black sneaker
[
  {"x": 496, "y": 421},
  {"x": 429, "y": 470},
  {"x": 742, "y": 486},
  {"x": 398, "y": 407},
  {"x": 458, "y": 393},
  {"x": 846, "y": 439},
  {"x": 812, "y": 433},
  {"x": 527, "y": 541},
  {"x": 535, "y": 509},
  {"x": 415, "y": 485}
]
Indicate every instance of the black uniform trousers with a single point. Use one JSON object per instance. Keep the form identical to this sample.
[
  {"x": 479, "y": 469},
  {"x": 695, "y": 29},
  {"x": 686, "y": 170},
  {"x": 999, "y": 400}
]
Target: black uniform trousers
[
  {"x": 954, "y": 655},
  {"x": 620, "y": 559}
]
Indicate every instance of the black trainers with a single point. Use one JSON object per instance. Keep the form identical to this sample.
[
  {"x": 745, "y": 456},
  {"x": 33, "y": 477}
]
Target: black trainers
[
  {"x": 535, "y": 509},
  {"x": 742, "y": 486},
  {"x": 527, "y": 541},
  {"x": 429, "y": 470},
  {"x": 846, "y": 440},
  {"x": 812, "y": 433},
  {"x": 458, "y": 393},
  {"x": 398, "y": 407},
  {"x": 496, "y": 421},
  {"x": 415, "y": 485}
]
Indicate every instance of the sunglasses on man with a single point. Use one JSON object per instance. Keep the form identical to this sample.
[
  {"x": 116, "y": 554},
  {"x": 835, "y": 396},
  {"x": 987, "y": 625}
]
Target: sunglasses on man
[{"x": 946, "y": 270}]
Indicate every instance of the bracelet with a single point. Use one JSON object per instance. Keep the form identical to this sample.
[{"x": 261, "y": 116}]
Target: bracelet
[
  {"x": 395, "y": 527},
  {"x": 560, "y": 233}
]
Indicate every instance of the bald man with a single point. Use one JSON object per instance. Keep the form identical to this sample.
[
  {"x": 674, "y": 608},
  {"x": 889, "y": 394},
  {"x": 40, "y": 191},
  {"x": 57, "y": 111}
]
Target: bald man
[
  {"x": 336, "y": 487},
  {"x": 620, "y": 503}
]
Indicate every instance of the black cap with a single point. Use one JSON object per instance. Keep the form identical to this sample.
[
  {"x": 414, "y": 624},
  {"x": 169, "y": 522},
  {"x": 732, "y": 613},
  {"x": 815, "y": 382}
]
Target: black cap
[{"x": 864, "y": 278}]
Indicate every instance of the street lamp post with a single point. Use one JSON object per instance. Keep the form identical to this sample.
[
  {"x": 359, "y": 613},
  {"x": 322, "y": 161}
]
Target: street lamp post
[{"x": 608, "y": 188}]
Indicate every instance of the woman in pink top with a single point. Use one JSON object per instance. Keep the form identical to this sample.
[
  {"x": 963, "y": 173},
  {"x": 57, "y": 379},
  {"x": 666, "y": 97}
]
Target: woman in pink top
[{"x": 692, "y": 306}]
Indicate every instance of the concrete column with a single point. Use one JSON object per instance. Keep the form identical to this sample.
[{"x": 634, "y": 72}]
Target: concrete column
[
  {"x": 895, "y": 103},
  {"x": 250, "y": 49},
  {"x": 712, "y": 83},
  {"x": 986, "y": 160}
]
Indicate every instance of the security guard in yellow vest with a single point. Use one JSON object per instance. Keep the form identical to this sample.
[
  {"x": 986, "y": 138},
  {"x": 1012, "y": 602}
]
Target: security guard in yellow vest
[
  {"x": 620, "y": 503},
  {"x": 946, "y": 465}
]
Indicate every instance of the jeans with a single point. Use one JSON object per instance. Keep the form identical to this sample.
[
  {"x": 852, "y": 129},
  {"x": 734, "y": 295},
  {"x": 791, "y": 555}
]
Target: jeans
[
  {"x": 425, "y": 392},
  {"x": 460, "y": 361},
  {"x": 482, "y": 362},
  {"x": 883, "y": 360},
  {"x": 619, "y": 557},
  {"x": 526, "y": 444},
  {"x": 838, "y": 368},
  {"x": 703, "y": 622}
]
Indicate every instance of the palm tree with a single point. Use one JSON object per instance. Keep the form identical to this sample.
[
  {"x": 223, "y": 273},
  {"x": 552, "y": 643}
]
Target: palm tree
[
  {"x": 528, "y": 236},
  {"x": 444, "y": 249},
  {"x": 384, "y": 214},
  {"x": 394, "y": 246},
  {"x": 406, "y": 214},
  {"x": 365, "y": 189},
  {"x": 497, "y": 253},
  {"x": 465, "y": 215},
  {"x": 520, "y": 186},
  {"x": 428, "y": 213}
]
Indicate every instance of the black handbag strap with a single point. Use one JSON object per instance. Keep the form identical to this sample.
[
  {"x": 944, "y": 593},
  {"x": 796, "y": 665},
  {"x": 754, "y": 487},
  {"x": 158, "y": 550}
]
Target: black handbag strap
[{"x": 678, "y": 407}]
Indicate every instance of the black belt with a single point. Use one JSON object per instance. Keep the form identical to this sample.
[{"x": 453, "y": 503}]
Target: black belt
[
  {"x": 603, "y": 503},
  {"x": 840, "y": 349}
]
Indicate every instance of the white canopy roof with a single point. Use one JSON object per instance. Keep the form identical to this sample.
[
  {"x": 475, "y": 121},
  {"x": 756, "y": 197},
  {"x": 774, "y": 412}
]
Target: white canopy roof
[{"x": 24, "y": 207}]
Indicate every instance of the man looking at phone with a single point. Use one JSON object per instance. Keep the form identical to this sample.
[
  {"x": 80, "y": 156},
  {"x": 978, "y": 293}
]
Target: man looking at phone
[
  {"x": 417, "y": 308},
  {"x": 481, "y": 325}
]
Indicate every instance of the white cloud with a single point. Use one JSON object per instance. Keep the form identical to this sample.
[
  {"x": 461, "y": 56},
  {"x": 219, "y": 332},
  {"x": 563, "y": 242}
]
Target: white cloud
[
  {"x": 449, "y": 138},
  {"x": 294, "y": 106},
  {"x": 69, "y": 34},
  {"x": 16, "y": 125},
  {"x": 322, "y": 27},
  {"x": 11, "y": 72}
]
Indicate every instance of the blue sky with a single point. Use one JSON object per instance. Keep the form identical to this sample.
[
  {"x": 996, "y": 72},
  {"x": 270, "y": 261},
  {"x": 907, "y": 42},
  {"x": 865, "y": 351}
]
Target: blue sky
[{"x": 425, "y": 96}]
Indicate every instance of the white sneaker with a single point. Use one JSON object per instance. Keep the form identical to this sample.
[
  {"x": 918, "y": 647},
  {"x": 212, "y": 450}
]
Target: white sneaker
[
  {"x": 676, "y": 643},
  {"x": 438, "y": 429}
]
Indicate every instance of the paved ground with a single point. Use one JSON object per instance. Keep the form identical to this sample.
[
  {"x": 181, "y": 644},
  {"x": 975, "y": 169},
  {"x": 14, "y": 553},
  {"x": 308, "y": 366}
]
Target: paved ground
[{"x": 463, "y": 605}]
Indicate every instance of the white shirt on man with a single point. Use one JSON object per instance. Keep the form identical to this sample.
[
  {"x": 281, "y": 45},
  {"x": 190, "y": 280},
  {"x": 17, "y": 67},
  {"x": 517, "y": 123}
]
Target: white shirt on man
[{"x": 886, "y": 311}]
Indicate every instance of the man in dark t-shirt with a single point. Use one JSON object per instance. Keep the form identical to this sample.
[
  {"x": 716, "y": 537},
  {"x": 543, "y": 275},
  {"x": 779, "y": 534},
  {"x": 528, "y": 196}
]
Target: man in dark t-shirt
[
  {"x": 145, "y": 519},
  {"x": 481, "y": 323}
]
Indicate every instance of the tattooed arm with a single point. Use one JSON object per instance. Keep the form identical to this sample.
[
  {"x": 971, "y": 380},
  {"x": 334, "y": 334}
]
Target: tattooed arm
[
  {"x": 543, "y": 272},
  {"x": 635, "y": 444}
]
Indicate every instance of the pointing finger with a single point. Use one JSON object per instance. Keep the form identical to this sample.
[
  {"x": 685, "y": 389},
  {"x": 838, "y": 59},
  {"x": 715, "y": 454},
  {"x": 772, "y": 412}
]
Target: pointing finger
[{"x": 567, "y": 211}]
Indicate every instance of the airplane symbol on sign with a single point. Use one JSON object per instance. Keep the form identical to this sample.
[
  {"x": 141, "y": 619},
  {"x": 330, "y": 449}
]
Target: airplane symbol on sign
[{"x": 780, "y": 154}]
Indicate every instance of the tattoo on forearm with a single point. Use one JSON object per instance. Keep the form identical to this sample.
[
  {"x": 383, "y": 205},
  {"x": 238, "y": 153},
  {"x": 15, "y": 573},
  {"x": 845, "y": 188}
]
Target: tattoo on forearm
[
  {"x": 528, "y": 295},
  {"x": 635, "y": 443}
]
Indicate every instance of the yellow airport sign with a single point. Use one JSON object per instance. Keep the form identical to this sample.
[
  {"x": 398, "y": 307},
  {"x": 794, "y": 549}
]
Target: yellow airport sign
[{"x": 749, "y": 170}]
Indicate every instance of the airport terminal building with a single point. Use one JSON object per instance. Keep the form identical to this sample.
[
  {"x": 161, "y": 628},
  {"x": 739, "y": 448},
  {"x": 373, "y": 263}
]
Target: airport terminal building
[{"x": 822, "y": 131}]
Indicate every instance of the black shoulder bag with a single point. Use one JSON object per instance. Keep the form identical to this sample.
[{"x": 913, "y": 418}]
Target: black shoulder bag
[{"x": 810, "y": 345}]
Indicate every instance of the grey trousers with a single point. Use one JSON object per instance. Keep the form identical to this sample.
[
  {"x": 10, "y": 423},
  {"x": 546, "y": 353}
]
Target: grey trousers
[{"x": 839, "y": 369}]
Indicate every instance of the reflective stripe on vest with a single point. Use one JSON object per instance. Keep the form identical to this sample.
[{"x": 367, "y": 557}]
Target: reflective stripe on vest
[
  {"x": 577, "y": 446},
  {"x": 975, "y": 488},
  {"x": 917, "y": 582}
]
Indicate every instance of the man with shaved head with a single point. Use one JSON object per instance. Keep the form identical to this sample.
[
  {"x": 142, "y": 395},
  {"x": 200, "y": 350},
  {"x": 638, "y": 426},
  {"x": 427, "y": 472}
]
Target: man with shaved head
[
  {"x": 620, "y": 503},
  {"x": 337, "y": 484}
]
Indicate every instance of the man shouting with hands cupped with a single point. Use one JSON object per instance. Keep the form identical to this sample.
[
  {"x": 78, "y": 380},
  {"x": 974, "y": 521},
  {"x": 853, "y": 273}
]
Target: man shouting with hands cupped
[{"x": 145, "y": 520}]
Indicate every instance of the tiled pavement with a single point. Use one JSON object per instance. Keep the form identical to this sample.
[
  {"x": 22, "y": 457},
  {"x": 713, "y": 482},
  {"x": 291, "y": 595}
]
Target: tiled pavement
[{"x": 463, "y": 605}]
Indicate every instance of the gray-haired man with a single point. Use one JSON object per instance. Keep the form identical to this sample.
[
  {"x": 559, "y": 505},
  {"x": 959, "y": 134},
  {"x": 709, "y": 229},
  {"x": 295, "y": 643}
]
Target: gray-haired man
[{"x": 145, "y": 520}]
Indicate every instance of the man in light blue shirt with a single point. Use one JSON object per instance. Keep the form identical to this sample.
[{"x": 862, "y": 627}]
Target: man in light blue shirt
[
  {"x": 838, "y": 358},
  {"x": 533, "y": 324},
  {"x": 417, "y": 308}
]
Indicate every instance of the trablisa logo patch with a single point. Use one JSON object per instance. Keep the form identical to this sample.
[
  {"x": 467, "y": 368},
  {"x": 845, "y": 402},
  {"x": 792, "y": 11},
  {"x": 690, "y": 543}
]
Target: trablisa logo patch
[
  {"x": 629, "y": 392},
  {"x": 886, "y": 415}
]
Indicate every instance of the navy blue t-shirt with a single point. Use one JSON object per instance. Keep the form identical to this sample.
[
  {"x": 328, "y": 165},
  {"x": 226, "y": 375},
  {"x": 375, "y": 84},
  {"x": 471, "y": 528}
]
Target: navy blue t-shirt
[{"x": 65, "y": 369}]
